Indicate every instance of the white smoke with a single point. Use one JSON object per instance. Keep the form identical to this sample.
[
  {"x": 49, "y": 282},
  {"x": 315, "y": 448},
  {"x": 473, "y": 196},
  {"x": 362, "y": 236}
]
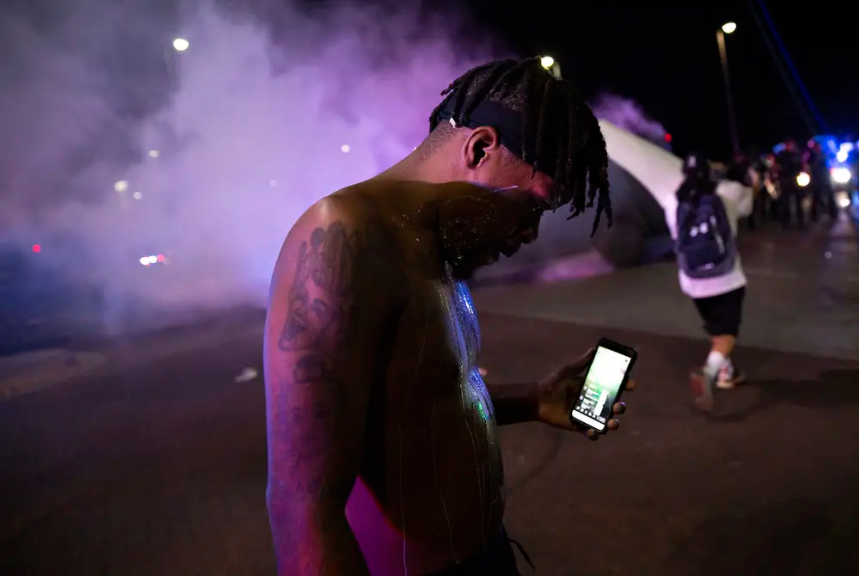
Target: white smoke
[{"x": 254, "y": 132}]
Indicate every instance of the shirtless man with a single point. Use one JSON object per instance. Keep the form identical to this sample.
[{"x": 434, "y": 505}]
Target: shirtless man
[{"x": 382, "y": 441}]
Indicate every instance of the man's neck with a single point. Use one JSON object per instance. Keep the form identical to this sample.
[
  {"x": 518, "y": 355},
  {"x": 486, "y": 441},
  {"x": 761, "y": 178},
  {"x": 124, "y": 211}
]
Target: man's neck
[{"x": 420, "y": 166}]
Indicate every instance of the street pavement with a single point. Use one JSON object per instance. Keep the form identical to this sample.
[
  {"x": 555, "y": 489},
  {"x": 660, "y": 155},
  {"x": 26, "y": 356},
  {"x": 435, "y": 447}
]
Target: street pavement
[{"x": 154, "y": 461}]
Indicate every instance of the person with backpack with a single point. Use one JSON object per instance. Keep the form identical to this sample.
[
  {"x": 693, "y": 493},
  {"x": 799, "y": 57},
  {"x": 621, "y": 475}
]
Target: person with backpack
[{"x": 704, "y": 229}]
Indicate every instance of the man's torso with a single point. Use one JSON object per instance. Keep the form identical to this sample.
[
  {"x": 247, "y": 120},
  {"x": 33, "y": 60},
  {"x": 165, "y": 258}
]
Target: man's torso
[{"x": 431, "y": 488}]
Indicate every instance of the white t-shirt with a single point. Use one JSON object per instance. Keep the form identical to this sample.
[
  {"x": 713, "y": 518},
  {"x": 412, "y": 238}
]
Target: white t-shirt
[{"x": 738, "y": 204}]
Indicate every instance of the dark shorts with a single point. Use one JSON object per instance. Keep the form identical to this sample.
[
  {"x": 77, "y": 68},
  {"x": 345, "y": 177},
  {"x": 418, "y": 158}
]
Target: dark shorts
[
  {"x": 497, "y": 560},
  {"x": 722, "y": 314}
]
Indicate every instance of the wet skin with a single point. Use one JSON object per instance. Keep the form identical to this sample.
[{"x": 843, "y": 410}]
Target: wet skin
[
  {"x": 435, "y": 491},
  {"x": 372, "y": 349}
]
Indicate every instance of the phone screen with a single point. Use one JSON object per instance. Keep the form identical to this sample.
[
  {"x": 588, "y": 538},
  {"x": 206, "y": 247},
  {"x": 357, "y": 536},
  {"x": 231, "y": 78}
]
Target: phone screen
[{"x": 602, "y": 385}]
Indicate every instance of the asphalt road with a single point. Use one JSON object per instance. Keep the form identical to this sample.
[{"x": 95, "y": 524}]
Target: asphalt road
[{"x": 153, "y": 463}]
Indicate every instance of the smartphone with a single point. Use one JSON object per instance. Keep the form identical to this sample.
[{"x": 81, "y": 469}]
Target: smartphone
[{"x": 603, "y": 385}]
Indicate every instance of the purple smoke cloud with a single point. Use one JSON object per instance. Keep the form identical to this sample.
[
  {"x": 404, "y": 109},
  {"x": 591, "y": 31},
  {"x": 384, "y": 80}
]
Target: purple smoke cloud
[
  {"x": 628, "y": 114},
  {"x": 262, "y": 122}
]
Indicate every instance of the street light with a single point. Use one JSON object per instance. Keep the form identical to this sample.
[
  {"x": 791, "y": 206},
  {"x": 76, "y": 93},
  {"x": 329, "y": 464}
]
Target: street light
[
  {"x": 180, "y": 44},
  {"x": 728, "y": 28},
  {"x": 551, "y": 66}
]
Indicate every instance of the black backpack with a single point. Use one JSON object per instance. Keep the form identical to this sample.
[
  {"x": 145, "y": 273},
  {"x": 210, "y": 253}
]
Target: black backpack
[{"x": 705, "y": 242}]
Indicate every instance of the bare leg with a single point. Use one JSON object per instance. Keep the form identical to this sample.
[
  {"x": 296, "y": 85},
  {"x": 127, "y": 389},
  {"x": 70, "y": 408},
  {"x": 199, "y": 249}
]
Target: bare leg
[{"x": 724, "y": 345}]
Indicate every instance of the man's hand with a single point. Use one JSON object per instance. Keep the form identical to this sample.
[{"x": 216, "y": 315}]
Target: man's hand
[{"x": 559, "y": 391}]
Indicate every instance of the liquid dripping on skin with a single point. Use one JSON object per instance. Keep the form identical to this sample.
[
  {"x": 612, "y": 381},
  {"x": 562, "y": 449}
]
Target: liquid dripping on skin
[
  {"x": 467, "y": 398},
  {"x": 476, "y": 403},
  {"x": 402, "y": 421},
  {"x": 438, "y": 482},
  {"x": 479, "y": 396}
]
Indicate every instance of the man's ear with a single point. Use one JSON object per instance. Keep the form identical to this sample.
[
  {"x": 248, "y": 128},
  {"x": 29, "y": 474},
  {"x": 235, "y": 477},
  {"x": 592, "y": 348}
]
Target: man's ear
[{"x": 480, "y": 145}]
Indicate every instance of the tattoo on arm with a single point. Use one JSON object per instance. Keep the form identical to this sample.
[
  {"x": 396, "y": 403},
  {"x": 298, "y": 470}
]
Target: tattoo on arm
[
  {"x": 310, "y": 393},
  {"x": 320, "y": 288},
  {"x": 315, "y": 419}
]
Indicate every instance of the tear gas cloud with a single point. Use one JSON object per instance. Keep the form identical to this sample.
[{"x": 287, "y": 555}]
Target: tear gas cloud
[
  {"x": 628, "y": 114},
  {"x": 260, "y": 123}
]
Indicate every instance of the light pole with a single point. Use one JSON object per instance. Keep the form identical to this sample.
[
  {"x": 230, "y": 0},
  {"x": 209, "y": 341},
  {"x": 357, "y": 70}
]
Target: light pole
[
  {"x": 177, "y": 45},
  {"x": 172, "y": 52},
  {"x": 728, "y": 28}
]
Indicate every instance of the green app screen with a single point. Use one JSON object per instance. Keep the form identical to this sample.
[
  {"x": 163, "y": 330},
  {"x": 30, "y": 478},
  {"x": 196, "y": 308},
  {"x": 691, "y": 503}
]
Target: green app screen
[{"x": 602, "y": 384}]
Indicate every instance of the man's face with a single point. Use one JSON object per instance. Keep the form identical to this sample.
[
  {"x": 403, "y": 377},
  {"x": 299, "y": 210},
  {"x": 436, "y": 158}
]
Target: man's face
[{"x": 480, "y": 227}]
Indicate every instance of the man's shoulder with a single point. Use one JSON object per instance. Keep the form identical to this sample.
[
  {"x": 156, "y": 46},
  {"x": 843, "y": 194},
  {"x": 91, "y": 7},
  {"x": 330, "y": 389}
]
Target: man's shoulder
[
  {"x": 345, "y": 204},
  {"x": 339, "y": 236},
  {"x": 380, "y": 206},
  {"x": 343, "y": 212},
  {"x": 367, "y": 220},
  {"x": 352, "y": 204}
]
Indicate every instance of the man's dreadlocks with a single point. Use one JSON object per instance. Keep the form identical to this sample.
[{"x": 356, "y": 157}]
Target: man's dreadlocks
[{"x": 558, "y": 127}]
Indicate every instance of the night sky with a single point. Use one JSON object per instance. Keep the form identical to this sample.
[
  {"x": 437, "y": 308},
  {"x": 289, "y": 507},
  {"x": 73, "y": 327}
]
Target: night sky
[
  {"x": 664, "y": 54},
  {"x": 661, "y": 53}
]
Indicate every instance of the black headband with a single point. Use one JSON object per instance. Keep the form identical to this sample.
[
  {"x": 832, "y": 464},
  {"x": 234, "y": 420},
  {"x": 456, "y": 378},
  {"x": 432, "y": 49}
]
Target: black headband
[{"x": 508, "y": 122}]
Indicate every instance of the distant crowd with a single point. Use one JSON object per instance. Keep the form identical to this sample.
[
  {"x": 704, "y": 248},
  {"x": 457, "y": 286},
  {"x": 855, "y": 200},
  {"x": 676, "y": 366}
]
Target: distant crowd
[{"x": 791, "y": 186}]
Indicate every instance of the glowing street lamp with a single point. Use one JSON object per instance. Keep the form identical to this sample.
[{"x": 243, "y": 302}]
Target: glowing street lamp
[
  {"x": 180, "y": 44},
  {"x": 551, "y": 66},
  {"x": 729, "y": 27}
]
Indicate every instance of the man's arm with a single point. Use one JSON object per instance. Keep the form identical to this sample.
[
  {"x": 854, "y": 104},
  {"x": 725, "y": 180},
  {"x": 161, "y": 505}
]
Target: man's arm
[
  {"x": 514, "y": 403},
  {"x": 318, "y": 383}
]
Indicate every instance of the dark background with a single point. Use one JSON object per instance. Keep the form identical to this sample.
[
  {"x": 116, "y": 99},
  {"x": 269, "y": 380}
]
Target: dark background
[{"x": 662, "y": 53}]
